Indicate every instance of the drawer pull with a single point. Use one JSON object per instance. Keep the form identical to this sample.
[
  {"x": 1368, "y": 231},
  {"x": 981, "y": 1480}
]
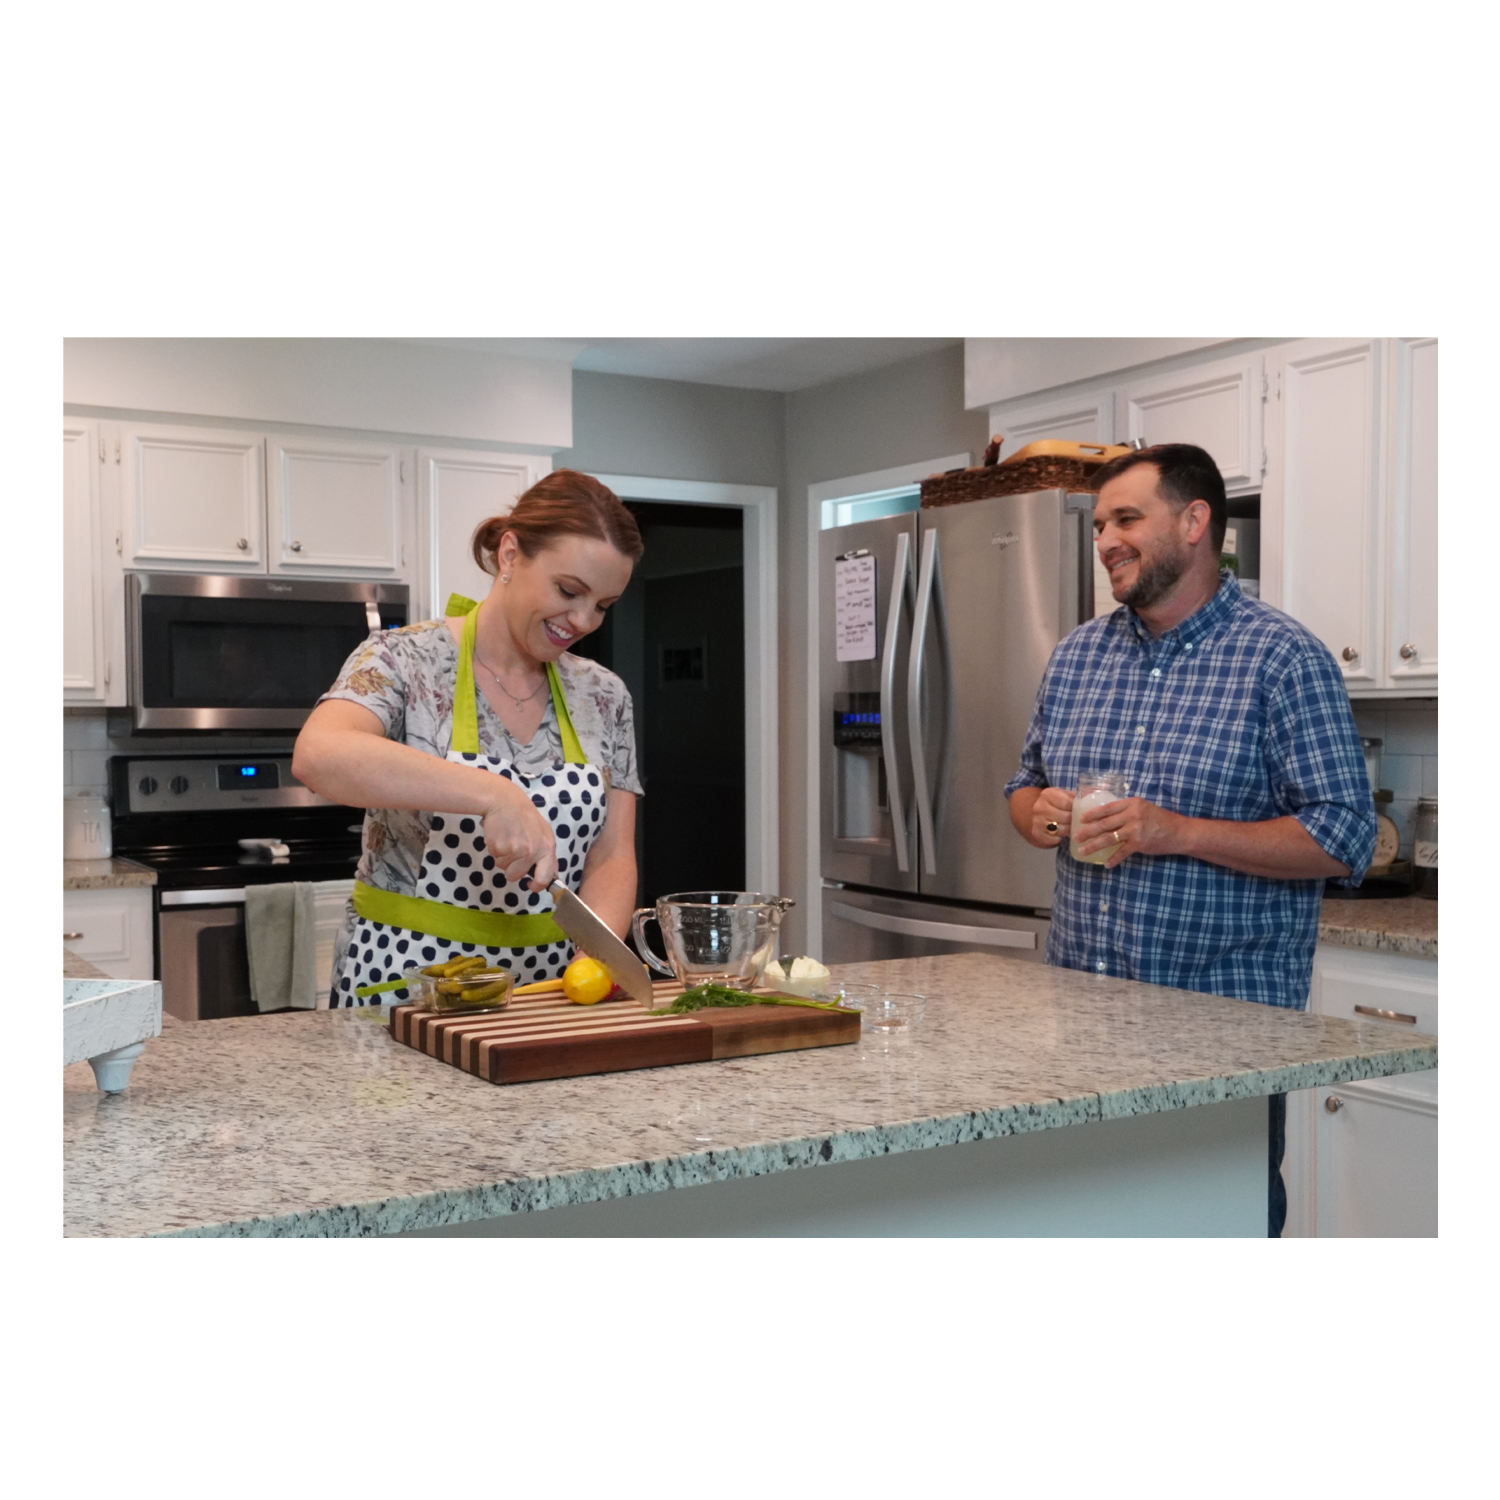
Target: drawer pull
[
  {"x": 1333, "y": 1104},
  {"x": 1385, "y": 1015},
  {"x": 71, "y": 937}
]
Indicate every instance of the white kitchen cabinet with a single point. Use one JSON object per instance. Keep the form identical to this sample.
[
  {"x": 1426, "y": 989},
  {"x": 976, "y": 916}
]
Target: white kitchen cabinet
[
  {"x": 1362, "y": 1158},
  {"x": 1218, "y": 406},
  {"x": 193, "y": 499},
  {"x": 86, "y": 666},
  {"x": 1326, "y": 477},
  {"x": 1086, "y": 419},
  {"x": 1410, "y": 639},
  {"x": 1352, "y": 497},
  {"x": 456, "y": 490},
  {"x": 111, "y": 929},
  {"x": 335, "y": 508}
]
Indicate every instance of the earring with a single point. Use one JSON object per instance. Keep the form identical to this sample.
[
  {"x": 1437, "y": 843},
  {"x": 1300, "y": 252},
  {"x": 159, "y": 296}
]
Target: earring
[{"x": 505, "y": 578}]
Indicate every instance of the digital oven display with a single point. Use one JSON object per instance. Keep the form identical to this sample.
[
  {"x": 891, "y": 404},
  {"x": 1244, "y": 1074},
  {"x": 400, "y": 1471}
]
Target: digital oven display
[{"x": 248, "y": 776}]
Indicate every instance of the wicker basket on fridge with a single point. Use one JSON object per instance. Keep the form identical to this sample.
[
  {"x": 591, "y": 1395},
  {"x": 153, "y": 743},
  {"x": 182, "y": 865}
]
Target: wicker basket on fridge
[{"x": 1048, "y": 465}]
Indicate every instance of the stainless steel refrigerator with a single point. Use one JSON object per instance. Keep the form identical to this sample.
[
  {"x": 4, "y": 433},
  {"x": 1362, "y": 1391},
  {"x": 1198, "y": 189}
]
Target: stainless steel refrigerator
[{"x": 936, "y": 627}]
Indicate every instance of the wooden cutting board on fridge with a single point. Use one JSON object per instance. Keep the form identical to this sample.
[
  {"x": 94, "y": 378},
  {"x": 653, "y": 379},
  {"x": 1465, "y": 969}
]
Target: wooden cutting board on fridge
[{"x": 546, "y": 1036}]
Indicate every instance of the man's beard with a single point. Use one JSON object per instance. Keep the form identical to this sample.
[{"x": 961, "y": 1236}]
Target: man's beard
[{"x": 1156, "y": 578}]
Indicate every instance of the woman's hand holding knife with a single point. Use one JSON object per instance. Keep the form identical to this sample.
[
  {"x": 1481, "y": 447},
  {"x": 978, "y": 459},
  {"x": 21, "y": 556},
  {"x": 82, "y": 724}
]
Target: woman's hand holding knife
[{"x": 518, "y": 835}]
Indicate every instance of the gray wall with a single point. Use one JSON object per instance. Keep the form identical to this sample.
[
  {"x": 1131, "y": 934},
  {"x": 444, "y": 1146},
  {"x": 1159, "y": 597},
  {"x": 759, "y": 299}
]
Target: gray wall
[
  {"x": 905, "y": 413},
  {"x": 670, "y": 429},
  {"x": 908, "y": 412}
]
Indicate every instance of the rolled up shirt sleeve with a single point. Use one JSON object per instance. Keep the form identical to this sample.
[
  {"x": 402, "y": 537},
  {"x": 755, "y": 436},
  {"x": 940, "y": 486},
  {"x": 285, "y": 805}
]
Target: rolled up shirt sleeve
[{"x": 1315, "y": 764}]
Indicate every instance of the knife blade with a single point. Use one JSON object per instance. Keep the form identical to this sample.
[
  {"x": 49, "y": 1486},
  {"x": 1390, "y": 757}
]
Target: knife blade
[{"x": 590, "y": 934}]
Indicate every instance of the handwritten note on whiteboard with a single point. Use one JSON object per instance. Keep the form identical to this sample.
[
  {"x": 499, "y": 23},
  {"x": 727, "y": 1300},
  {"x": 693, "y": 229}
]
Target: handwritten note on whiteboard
[{"x": 854, "y": 608}]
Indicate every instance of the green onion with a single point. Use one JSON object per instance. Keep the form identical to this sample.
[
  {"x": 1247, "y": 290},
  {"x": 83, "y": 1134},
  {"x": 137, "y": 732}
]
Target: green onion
[{"x": 721, "y": 994}]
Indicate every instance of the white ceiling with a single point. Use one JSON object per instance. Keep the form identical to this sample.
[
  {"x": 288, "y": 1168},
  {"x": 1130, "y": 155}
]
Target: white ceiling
[{"x": 755, "y": 364}]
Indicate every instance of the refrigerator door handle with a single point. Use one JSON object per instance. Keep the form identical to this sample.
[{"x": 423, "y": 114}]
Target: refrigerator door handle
[
  {"x": 914, "y": 700},
  {"x": 948, "y": 932},
  {"x": 888, "y": 701}
]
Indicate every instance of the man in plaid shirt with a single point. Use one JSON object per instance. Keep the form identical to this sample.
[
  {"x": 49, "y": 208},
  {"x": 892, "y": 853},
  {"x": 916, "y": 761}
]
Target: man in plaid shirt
[{"x": 1232, "y": 727}]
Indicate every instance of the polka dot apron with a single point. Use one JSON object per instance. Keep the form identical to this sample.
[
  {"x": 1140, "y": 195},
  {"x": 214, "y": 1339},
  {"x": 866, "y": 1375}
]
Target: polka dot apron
[{"x": 464, "y": 903}]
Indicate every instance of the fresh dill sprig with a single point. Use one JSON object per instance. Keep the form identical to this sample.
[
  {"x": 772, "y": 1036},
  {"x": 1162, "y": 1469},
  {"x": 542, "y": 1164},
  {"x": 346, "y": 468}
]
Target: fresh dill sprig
[{"x": 722, "y": 994}]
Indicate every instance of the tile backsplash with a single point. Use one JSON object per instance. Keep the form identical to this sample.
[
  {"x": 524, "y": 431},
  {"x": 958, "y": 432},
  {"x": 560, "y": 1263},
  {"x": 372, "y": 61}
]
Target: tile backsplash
[
  {"x": 1408, "y": 729},
  {"x": 92, "y": 735}
]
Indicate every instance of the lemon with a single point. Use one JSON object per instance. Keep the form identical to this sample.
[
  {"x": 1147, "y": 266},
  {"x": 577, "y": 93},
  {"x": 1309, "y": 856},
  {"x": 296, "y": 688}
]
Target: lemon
[{"x": 586, "y": 981}]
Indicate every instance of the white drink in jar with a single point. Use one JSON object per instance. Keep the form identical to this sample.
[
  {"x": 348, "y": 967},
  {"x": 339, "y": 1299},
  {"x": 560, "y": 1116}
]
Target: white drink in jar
[{"x": 1094, "y": 791}]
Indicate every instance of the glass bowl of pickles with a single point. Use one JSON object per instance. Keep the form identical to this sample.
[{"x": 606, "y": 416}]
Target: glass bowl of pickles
[{"x": 462, "y": 984}]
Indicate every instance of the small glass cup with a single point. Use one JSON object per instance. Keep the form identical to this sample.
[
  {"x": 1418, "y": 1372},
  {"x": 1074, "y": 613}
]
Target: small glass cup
[
  {"x": 1094, "y": 790},
  {"x": 889, "y": 1015}
]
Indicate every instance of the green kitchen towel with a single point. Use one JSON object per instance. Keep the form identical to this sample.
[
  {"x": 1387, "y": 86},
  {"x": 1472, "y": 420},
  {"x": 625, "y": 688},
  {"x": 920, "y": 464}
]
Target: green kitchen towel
[{"x": 280, "y": 936}]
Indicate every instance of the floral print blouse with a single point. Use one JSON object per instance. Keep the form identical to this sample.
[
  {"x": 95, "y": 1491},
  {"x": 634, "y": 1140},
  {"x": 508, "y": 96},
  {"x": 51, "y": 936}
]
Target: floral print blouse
[{"x": 405, "y": 678}]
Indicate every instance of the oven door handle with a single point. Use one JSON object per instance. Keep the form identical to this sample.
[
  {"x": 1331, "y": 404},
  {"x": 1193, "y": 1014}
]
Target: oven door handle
[{"x": 228, "y": 897}]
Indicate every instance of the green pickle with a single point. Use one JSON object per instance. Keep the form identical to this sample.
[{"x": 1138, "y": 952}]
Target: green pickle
[
  {"x": 455, "y": 966},
  {"x": 473, "y": 987}
]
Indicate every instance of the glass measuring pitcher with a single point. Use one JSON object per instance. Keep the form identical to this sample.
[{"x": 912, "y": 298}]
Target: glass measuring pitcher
[{"x": 713, "y": 937}]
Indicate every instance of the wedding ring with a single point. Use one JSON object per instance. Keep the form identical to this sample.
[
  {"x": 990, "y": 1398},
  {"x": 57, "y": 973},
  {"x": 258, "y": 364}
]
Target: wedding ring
[
  {"x": 1118, "y": 839},
  {"x": 1052, "y": 828}
]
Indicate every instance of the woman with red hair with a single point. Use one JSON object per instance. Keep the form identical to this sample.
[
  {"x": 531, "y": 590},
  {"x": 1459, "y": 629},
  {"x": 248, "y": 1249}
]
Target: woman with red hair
[{"x": 489, "y": 758}]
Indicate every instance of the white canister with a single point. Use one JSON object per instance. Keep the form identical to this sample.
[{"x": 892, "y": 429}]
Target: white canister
[{"x": 86, "y": 830}]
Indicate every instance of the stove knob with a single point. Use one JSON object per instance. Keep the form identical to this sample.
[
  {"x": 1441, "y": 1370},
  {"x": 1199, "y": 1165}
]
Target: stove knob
[
  {"x": 179, "y": 784},
  {"x": 146, "y": 785}
]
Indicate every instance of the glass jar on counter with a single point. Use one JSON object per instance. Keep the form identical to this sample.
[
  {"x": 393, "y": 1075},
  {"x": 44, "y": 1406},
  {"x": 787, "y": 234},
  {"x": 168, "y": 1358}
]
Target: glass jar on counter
[{"x": 1424, "y": 848}]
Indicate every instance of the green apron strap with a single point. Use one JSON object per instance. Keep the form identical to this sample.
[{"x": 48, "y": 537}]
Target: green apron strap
[
  {"x": 572, "y": 750},
  {"x": 465, "y": 709},
  {"x": 465, "y": 703}
]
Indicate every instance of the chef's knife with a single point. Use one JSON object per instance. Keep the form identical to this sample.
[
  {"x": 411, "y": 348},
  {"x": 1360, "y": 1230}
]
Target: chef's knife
[{"x": 594, "y": 938}]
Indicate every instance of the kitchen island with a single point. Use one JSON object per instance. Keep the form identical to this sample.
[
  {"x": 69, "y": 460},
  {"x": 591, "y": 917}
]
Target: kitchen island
[{"x": 1029, "y": 1101}]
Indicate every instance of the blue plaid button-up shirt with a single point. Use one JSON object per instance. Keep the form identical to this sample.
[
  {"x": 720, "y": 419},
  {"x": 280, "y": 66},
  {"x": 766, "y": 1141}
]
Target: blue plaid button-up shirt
[{"x": 1238, "y": 713}]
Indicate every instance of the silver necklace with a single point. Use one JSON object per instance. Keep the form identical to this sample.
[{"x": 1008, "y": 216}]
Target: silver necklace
[{"x": 519, "y": 702}]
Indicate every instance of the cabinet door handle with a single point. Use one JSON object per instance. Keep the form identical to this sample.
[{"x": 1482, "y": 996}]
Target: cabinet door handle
[
  {"x": 71, "y": 937},
  {"x": 296, "y": 546},
  {"x": 1333, "y": 1104},
  {"x": 1385, "y": 1015},
  {"x": 243, "y": 544},
  {"x": 1408, "y": 651},
  {"x": 1349, "y": 654}
]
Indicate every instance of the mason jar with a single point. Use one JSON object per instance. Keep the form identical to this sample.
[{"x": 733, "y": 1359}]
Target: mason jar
[{"x": 1424, "y": 848}]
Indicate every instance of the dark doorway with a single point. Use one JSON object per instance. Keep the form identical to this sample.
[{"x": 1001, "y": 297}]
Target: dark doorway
[{"x": 677, "y": 638}]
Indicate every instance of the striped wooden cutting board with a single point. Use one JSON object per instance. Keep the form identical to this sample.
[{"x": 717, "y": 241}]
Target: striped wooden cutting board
[{"x": 546, "y": 1036}]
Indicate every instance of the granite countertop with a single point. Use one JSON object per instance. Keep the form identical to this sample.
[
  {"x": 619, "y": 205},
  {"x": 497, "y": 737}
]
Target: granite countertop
[
  {"x": 79, "y": 968},
  {"x": 1403, "y": 924},
  {"x": 320, "y": 1124},
  {"x": 104, "y": 874}
]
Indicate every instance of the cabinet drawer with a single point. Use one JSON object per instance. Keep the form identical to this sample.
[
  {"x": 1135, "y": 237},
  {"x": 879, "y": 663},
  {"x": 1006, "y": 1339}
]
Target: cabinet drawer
[
  {"x": 1346, "y": 978},
  {"x": 1381, "y": 989},
  {"x": 115, "y": 928}
]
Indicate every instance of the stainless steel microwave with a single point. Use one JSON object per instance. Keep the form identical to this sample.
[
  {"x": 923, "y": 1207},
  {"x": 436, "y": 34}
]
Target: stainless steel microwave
[{"x": 214, "y": 651}]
